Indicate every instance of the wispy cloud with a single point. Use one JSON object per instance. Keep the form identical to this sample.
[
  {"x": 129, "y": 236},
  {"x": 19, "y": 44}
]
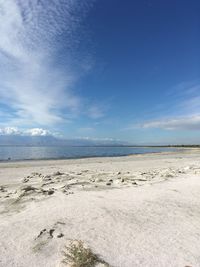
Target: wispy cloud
[
  {"x": 179, "y": 123},
  {"x": 96, "y": 112},
  {"x": 86, "y": 130},
  {"x": 104, "y": 139},
  {"x": 32, "y": 81},
  {"x": 185, "y": 110}
]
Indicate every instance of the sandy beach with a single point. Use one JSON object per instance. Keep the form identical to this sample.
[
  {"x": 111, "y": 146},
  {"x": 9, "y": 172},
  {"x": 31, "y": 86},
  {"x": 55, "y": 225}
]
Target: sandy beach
[{"x": 139, "y": 210}]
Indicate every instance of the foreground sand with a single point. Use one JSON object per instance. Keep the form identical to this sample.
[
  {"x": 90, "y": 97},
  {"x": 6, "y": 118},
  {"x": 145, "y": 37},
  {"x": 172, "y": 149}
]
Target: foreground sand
[{"x": 139, "y": 210}]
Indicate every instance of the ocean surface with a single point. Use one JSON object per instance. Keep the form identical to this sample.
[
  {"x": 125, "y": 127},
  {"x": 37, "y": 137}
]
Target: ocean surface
[{"x": 14, "y": 153}]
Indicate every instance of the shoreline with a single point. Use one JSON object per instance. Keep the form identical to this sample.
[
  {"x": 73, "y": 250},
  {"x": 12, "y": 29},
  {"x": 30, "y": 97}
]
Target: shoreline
[
  {"x": 178, "y": 150},
  {"x": 81, "y": 155}
]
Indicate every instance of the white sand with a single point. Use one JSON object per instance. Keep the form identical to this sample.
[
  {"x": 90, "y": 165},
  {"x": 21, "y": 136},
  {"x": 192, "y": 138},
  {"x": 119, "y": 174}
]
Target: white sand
[{"x": 132, "y": 211}]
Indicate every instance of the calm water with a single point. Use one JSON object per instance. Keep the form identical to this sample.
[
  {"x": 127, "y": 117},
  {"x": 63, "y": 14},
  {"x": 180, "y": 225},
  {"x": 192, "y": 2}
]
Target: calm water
[{"x": 27, "y": 153}]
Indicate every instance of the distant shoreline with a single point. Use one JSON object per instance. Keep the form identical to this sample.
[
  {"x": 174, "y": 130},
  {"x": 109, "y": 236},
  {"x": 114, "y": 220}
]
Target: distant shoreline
[{"x": 132, "y": 146}]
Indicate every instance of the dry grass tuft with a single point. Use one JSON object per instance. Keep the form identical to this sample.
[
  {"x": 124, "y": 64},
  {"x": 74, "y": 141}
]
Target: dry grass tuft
[{"x": 77, "y": 255}]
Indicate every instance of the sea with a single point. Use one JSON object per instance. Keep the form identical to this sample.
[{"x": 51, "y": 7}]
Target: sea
[{"x": 17, "y": 153}]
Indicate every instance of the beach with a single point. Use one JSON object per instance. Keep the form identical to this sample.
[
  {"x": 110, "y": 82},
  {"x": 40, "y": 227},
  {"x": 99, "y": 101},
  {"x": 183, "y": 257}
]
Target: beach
[{"x": 137, "y": 210}]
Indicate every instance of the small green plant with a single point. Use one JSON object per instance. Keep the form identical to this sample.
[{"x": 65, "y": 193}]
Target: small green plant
[{"x": 77, "y": 255}]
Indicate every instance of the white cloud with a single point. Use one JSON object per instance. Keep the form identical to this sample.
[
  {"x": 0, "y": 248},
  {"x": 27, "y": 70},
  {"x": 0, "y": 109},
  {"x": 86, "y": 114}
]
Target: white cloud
[
  {"x": 26, "y": 132},
  {"x": 37, "y": 132},
  {"x": 180, "y": 123},
  {"x": 38, "y": 89},
  {"x": 9, "y": 131}
]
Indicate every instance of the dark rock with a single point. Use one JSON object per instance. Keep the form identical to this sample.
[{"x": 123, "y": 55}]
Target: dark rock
[
  {"x": 41, "y": 232},
  {"x": 35, "y": 173},
  {"x": 47, "y": 178},
  {"x": 2, "y": 188},
  {"x": 28, "y": 188},
  {"x": 60, "y": 235},
  {"x": 51, "y": 232},
  {"x": 25, "y": 180},
  {"x": 57, "y": 173},
  {"x": 51, "y": 192}
]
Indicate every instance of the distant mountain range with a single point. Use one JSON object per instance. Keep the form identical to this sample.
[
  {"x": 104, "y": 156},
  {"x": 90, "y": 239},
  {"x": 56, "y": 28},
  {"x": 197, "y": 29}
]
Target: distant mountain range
[{"x": 18, "y": 140}]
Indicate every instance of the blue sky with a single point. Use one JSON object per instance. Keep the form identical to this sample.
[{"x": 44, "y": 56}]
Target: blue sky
[{"x": 127, "y": 70}]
